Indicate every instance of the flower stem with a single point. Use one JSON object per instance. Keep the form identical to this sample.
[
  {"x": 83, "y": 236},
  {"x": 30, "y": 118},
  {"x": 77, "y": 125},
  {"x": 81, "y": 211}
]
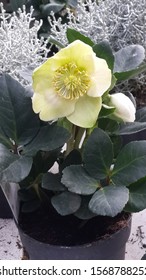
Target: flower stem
[
  {"x": 70, "y": 143},
  {"x": 77, "y": 134},
  {"x": 79, "y": 137}
]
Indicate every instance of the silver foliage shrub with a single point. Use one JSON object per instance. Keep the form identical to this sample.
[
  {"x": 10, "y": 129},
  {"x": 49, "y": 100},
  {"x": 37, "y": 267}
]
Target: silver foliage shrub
[
  {"x": 121, "y": 22},
  {"x": 19, "y": 45}
]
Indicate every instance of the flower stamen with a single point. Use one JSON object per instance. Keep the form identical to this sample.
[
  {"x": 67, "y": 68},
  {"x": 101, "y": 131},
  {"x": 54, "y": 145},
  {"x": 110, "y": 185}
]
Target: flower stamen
[{"x": 70, "y": 82}]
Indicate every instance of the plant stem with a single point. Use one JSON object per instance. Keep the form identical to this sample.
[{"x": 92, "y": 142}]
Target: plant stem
[
  {"x": 70, "y": 143},
  {"x": 79, "y": 136}
]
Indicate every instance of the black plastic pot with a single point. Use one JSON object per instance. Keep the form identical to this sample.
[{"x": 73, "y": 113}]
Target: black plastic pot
[
  {"x": 111, "y": 248},
  {"x": 5, "y": 211}
]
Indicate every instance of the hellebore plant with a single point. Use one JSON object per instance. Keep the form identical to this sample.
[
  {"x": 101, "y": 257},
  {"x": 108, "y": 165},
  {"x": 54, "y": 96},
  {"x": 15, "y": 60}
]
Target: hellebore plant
[
  {"x": 71, "y": 84},
  {"x": 75, "y": 119}
]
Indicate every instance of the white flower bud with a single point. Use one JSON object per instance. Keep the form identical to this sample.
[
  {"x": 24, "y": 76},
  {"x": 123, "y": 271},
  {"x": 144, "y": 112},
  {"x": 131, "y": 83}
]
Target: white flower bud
[{"x": 124, "y": 107}]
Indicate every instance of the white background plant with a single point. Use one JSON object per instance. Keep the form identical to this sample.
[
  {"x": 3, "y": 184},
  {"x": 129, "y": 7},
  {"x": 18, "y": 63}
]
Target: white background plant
[
  {"x": 19, "y": 45},
  {"x": 121, "y": 22}
]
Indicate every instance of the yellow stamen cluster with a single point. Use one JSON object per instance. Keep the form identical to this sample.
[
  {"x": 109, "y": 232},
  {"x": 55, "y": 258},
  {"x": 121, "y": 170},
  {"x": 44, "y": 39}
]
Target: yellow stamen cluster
[{"x": 70, "y": 82}]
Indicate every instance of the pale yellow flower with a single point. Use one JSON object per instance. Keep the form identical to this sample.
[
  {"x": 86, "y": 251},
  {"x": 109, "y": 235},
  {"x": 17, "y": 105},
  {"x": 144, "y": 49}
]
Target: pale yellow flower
[{"x": 70, "y": 84}]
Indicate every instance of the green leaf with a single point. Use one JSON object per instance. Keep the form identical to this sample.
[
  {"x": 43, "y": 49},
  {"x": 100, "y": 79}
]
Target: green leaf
[
  {"x": 130, "y": 74},
  {"x": 117, "y": 144},
  {"x": 52, "y": 182},
  {"x": 128, "y": 58},
  {"x": 17, "y": 119},
  {"x": 103, "y": 50},
  {"x": 42, "y": 162},
  {"x": 77, "y": 180},
  {"x": 13, "y": 168},
  {"x": 98, "y": 154},
  {"x": 108, "y": 125},
  {"x": 5, "y": 140},
  {"x": 130, "y": 165},
  {"x": 73, "y": 35},
  {"x": 84, "y": 212},
  {"x": 72, "y": 3},
  {"x": 109, "y": 201},
  {"x": 137, "y": 196},
  {"x": 73, "y": 158},
  {"x": 48, "y": 8},
  {"x": 29, "y": 199},
  {"x": 129, "y": 128},
  {"x": 27, "y": 193},
  {"x": 50, "y": 137},
  {"x": 55, "y": 42},
  {"x": 106, "y": 111},
  {"x": 66, "y": 203},
  {"x": 141, "y": 115}
]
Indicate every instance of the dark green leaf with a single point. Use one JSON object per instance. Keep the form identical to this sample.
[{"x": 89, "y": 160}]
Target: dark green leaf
[
  {"x": 108, "y": 125},
  {"x": 52, "y": 182},
  {"x": 103, "y": 50},
  {"x": 137, "y": 196},
  {"x": 50, "y": 137},
  {"x": 141, "y": 115},
  {"x": 48, "y": 8},
  {"x": 130, "y": 74},
  {"x": 55, "y": 42},
  {"x": 55, "y": 1},
  {"x": 26, "y": 194},
  {"x": 77, "y": 180},
  {"x": 129, "y": 128},
  {"x": 128, "y": 58},
  {"x": 73, "y": 35},
  {"x": 5, "y": 140},
  {"x": 84, "y": 212},
  {"x": 13, "y": 168},
  {"x": 98, "y": 154},
  {"x": 66, "y": 203},
  {"x": 17, "y": 119},
  {"x": 104, "y": 112},
  {"x": 72, "y": 3},
  {"x": 109, "y": 201},
  {"x": 130, "y": 165},
  {"x": 73, "y": 158},
  {"x": 43, "y": 161},
  {"x": 117, "y": 144}
]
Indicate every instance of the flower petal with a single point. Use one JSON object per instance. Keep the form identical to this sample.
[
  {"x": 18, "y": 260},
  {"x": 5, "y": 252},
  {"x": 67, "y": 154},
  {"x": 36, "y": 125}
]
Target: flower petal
[
  {"x": 50, "y": 106},
  {"x": 124, "y": 107},
  {"x": 79, "y": 53},
  {"x": 101, "y": 79},
  {"x": 86, "y": 111}
]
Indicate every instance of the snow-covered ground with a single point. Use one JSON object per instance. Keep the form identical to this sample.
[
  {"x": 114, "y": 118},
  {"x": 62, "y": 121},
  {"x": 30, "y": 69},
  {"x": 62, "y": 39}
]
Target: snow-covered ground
[{"x": 11, "y": 248}]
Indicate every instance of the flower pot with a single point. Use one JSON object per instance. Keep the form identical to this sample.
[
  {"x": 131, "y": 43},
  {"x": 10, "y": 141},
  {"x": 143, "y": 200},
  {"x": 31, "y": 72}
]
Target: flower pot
[
  {"x": 87, "y": 245},
  {"x": 5, "y": 211},
  {"x": 111, "y": 247}
]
